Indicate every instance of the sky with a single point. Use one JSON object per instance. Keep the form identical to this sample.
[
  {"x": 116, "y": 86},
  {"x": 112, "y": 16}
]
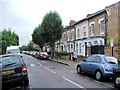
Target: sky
[{"x": 22, "y": 16}]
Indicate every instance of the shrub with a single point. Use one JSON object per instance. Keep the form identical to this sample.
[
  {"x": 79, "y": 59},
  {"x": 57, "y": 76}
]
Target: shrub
[{"x": 62, "y": 52}]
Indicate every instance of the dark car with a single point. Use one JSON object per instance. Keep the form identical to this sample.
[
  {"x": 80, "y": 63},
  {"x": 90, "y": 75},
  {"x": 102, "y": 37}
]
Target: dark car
[
  {"x": 98, "y": 65},
  {"x": 14, "y": 70},
  {"x": 116, "y": 77}
]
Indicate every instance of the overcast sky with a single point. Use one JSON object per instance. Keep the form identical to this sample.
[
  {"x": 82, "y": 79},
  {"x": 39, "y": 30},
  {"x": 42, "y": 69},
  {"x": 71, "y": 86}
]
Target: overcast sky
[{"x": 22, "y": 16}]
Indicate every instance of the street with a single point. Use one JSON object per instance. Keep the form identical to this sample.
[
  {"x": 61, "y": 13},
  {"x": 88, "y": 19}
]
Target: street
[{"x": 49, "y": 74}]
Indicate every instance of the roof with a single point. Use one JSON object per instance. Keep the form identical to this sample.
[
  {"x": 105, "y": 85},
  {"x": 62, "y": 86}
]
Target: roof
[{"x": 96, "y": 13}]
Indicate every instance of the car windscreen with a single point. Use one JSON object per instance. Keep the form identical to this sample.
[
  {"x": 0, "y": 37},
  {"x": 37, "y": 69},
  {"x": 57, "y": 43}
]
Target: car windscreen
[
  {"x": 111, "y": 60},
  {"x": 10, "y": 60}
]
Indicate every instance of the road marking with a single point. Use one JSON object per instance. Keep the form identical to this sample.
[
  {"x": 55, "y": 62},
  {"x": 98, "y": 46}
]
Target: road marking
[
  {"x": 32, "y": 65},
  {"x": 108, "y": 85},
  {"x": 103, "y": 84},
  {"x": 98, "y": 82},
  {"x": 49, "y": 70},
  {"x": 72, "y": 82},
  {"x": 40, "y": 64}
]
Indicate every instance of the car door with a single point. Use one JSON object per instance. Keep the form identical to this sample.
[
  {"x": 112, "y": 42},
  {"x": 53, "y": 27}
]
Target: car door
[
  {"x": 86, "y": 64},
  {"x": 96, "y": 64}
]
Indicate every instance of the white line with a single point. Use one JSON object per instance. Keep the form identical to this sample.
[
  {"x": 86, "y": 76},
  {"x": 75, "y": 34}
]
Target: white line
[
  {"x": 72, "y": 82},
  {"x": 108, "y": 85},
  {"x": 49, "y": 70},
  {"x": 103, "y": 84},
  {"x": 98, "y": 81},
  {"x": 32, "y": 65},
  {"x": 40, "y": 64}
]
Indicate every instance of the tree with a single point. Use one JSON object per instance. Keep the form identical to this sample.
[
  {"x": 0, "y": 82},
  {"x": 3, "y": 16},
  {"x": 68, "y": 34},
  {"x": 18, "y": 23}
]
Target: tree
[
  {"x": 52, "y": 29},
  {"x": 38, "y": 37},
  {"x": 8, "y": 38}
]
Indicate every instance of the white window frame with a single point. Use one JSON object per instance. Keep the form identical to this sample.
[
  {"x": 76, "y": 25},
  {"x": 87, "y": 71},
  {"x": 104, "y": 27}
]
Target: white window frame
[
  {"x": 73, "y": 35},
  {"x": 78, "y": 33},
  {"x": 77, "y": 45},
  {"x": 84, "y": 30},
  {"x": 80, "y": 48},
  {"x": 102, "y": 20},
  {"x": 68, "y": 36},
  {"x": 92, "y": 32}
]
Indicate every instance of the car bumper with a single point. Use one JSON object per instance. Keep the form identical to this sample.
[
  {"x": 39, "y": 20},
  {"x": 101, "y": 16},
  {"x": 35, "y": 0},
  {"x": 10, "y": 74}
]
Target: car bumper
[
  {"x": 108, "y": 74},
  {"x": 12, "y": 81}
]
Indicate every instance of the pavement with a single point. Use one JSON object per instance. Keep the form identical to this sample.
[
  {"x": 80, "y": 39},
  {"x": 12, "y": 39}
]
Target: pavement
[{"x": 65, "y": 62}]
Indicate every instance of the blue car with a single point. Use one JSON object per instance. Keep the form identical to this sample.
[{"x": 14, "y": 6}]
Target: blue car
[{"x": 98, "y": 65}]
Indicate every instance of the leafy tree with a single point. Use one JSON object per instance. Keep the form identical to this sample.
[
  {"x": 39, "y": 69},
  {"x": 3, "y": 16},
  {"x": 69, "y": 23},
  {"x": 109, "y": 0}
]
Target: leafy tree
[
  {"x": 24, "y": 48},
  {"x": 8, "y": 38},
  {"x": 52, "y": 29},
  {"x": 38, "y": 37}
]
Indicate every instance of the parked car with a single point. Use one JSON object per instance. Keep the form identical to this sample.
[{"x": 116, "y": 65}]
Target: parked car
[
  {"x": 99, "y": 65},
  {"x": 116, "y": 77},
  {"x": 14, "y": 70},
  {"x": 42, "y": 55}
]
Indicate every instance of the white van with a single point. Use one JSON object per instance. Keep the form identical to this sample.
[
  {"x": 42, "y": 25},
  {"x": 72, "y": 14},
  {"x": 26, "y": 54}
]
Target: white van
[{"x": 13, "y": 50}]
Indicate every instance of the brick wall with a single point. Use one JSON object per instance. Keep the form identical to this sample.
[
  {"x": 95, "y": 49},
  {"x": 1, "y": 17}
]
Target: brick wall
[
  {"x": 112, "y": 24},
  {"x": 108, "y": 51}
]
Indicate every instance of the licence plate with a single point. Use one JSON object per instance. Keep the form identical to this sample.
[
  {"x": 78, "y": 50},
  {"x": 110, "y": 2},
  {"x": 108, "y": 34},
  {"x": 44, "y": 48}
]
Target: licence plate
[{"x": 7, "y": 72}]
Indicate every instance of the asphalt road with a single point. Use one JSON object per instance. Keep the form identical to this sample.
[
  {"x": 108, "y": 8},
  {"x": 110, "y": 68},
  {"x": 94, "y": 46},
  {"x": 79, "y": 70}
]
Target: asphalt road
[{"x": 49, "y": 74}]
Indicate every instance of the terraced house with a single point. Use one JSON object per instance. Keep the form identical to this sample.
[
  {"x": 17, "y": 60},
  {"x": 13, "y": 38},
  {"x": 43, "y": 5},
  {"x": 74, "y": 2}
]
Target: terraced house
[{"x": 97, "y": 33}]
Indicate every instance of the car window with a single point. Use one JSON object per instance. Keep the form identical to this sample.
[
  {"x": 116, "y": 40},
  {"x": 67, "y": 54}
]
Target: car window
[
  {"x": 90, "y": 59},
  {"x": 97, "y": 59},
  {"x": 10, "y": 60},
  {"x": 111, "y": 60}
]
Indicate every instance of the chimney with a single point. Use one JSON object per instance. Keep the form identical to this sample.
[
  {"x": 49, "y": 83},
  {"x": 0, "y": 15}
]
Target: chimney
[{"x": 71, "y": 22}]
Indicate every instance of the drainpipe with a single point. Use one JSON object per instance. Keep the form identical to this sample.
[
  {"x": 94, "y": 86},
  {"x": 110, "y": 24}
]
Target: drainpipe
[{"x": 74, "y": 36}]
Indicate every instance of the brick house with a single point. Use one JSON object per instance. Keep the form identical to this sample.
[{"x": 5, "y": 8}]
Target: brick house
[
  {"x": 113, "y": 29},
  {"x": 94, "y": 33},
  {"x": 81, "y": 32},
  {"x": 97, "y": 23}
]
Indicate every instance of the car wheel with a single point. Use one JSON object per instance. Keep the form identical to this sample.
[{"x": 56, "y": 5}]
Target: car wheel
[
  {"x": 78, "y": 69},
  {"x": 117, "y": 81},
  {"x": 98, "y": 75}
]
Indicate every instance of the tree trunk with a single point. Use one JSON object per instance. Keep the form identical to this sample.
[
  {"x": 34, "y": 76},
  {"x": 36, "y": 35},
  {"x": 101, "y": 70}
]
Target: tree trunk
[{"x": 52, "y": 51}]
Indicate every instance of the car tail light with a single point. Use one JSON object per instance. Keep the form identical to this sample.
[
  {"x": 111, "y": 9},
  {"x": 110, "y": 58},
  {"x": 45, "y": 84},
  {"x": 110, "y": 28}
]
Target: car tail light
[
  {"x": 24, "y": 69},
  {"x": 105, "y": 68}
]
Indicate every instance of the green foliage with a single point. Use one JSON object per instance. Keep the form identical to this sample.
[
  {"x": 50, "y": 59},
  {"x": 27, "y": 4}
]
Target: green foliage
[
  {"x": 24, "y": 48},
  {"x": 52, "y": 27},
  {"x": 38, "y": 37},
  {"x": 108, "y": 40},
  {"x": 119, "y": 40},
  {"x": 63, "y": 52},
  {"x": 30, "y": 47},
  {"x": 8, "y": 38},
  {"x": 49, "y": 31}
]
